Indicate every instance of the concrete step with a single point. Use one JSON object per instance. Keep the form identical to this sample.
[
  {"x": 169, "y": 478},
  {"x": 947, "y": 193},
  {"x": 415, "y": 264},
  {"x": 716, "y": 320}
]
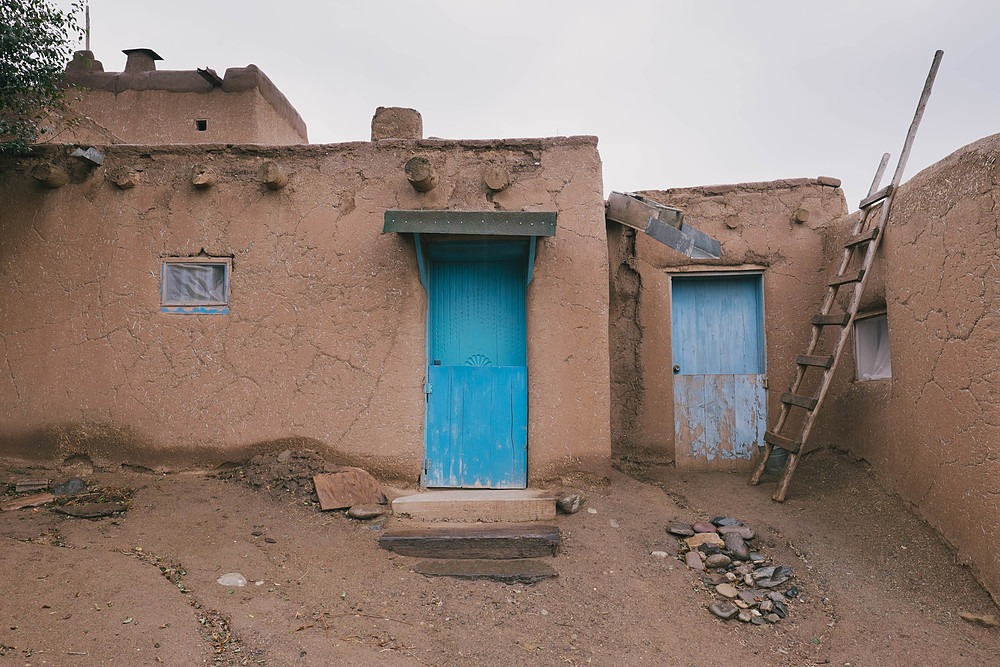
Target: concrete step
[
  {"x": 464, "y": 541},
  {"x": 524, "y": 571},
  {"x": 471, "y": 505}
]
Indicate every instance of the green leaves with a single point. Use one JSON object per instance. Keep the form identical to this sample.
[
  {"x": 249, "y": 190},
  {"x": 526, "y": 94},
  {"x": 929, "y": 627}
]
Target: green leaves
[{"x": 35, "y": 45}]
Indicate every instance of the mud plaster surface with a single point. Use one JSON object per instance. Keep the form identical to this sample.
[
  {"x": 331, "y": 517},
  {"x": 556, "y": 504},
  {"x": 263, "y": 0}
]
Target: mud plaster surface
[
  {"x": 325, "y": 338},
  {"x": 754, "y": 223},
  {"x": 932, "y": 431}
]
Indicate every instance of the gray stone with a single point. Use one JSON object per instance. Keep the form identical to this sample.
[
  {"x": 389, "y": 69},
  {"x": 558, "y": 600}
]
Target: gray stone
[
  {"x": 736, "y": 546},
  {"x": 69, "y": 487},
  {"x": 751, "y": 596},
  {"x": 680, "y": 529},
  {"x": 775, "y": 596},
  {"x": 748, "y": 579},
  {"x": 745, "y": 616},
  {"x": 744, "y": 569},
  {"x": 569, "y": 502},
  {"x": 758, "y": 620},
  {"x": 764, "y": 572},
  {"x": 743, "y": 531},
  {"x": 756, "y": 557},
  {"x": 723, "y": 610},
  {"x": 780, "y": 609},
  {"x": 284, "y": 456},
  {"x": 773, "y": 618},
  {"x": 693, "y": 560},
  {"x": 726, "y": 521},
  {"x": 718, "y": 560},
  {"x": 792, "y": 593},
  {"x": 766, "y": 607},
  {"x": 366, "y": 511},
  {"x": 703, "y": 527}
]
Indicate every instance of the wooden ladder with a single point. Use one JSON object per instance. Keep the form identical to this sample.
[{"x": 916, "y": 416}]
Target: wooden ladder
[{"x": 855, "y": 267}]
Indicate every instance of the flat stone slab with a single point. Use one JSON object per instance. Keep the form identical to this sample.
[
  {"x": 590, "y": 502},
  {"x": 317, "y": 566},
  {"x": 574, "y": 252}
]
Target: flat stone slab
[
  {"x": 521, "y": 571},
  {"x": 460, "y": 541},
  {"x": 471, "y": 505}
]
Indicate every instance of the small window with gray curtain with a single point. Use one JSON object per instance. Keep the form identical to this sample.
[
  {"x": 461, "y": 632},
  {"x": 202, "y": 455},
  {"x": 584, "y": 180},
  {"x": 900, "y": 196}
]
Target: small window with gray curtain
[
  {"x": 195, "y": 285},
  {"x": 871, "y": 348}
]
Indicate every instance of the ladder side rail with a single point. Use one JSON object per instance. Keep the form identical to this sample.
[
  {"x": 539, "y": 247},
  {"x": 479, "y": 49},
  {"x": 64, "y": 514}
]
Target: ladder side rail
[
  {"x": 917, "y": 116},
  {"x": 845, "y": 332}
]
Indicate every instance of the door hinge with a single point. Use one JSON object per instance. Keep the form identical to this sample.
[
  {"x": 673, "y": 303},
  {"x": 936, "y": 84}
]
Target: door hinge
[
  {"x": 427, "y": 387},
  {"x": 427, "y": 465},
  {"x": 764, "y": 382}
]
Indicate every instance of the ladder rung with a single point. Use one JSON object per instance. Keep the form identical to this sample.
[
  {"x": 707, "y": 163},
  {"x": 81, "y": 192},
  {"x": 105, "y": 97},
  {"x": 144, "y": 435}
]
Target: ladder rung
[
  {"x": 838, "y": 319},
  {"x": 810, "y": 360},
  {"x": 801, "y": 401},
  {"x": 781, "y": 441},
  {"x": 876, "y": 197},
  {"x": 863, "y": 238},
  {"x": 853, "y": 277}
]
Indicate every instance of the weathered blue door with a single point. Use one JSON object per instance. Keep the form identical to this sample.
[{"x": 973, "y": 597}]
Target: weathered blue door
[
  {"x": 476, "y": 425},
  {"x": 718, "y": 353}
]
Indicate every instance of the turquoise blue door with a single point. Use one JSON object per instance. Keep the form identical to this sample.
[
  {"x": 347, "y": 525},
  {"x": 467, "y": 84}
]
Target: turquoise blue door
[
  {"x": 476, "y": 424},
  {"x": 718, "y": 352}
]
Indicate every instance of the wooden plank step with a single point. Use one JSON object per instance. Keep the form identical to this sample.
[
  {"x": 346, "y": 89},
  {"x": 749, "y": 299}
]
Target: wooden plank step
[
  {"x": 852, "y": 277},
  {"x": 876, "y": 197},
  {"x": 838, "y": 319},
  {"x": 781, "y": 441},
  {"x": 864, "y": 237},
  {"x": 789, "y": 398},
  {"x": 812, "y": 360},
  {"x": 475, "y": 541},
  {"x": 507, "y": 571}
]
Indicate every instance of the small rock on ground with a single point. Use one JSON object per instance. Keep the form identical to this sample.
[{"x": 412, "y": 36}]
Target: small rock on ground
[
  {"x": 723, "y": 610},
  {"x": 366, "y": 511},
  {"x": 680, "y": 529},
  {"x": 69, "y": 487},
  {"x": 569, "y": 502},
  {"x": 693, "y": 560},
  {"x": 232, "y": 579}
]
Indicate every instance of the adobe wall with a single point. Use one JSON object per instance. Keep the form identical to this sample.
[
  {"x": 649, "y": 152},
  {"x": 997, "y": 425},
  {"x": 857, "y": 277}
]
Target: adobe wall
[
  {"x": 931, "y": 432},
  {"x": 324, "y": 345},
  {"x": 757, "y": 227},
  {"x": 161, "y": 106}
]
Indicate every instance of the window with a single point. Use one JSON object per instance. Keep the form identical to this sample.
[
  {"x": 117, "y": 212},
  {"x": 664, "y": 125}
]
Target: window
[
  {"x": 201, "y": 125},
  {"x": 192, "y": 285},
  {"x": 871, "y": 348}
]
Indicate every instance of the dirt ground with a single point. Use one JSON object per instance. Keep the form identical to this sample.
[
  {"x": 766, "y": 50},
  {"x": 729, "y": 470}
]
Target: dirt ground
[{"x": 878, "y": 587}]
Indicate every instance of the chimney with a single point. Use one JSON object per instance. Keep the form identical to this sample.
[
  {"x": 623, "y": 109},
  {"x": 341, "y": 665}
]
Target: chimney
[{"x": 140, "y": 60}]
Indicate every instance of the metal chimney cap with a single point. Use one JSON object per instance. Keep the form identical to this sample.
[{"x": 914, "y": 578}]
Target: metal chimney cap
[{"x": 149, "y": 52}]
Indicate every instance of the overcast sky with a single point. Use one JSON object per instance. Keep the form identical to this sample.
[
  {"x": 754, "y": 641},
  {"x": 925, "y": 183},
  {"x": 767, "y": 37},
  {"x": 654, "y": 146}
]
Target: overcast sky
[{"x": 680, "y": 92}]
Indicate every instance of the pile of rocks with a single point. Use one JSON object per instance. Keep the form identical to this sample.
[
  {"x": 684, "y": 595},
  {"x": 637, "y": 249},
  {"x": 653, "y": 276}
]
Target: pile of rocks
[{"x": 744, "y": 580}]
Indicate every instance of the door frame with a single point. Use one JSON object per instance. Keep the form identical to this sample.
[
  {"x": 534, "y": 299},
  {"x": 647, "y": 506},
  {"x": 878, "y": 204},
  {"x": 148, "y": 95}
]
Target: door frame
[
  {"x": 464, "y": 248},
  {"x": 744, "y": 270}
]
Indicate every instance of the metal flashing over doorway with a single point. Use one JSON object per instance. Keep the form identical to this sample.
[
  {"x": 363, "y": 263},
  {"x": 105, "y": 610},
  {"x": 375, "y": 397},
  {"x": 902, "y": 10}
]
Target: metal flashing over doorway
[{"x": 488, "y": 223}]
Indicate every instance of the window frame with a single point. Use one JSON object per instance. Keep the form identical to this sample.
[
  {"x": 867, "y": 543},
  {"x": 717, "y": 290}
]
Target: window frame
[
  {"x": 196, "y": 307},
  {"x": 857, "y": 356}
]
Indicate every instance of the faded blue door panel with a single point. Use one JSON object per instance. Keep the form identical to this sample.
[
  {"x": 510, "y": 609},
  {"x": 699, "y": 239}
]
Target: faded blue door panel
[
  {"x": 718, "y": 353},
  {"x": 477, "y": 427},
  {"x": 477, "y": 402}
]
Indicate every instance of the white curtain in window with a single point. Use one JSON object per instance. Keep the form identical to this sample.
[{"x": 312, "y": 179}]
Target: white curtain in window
[
  {"x": 190, "y": 283},
  {"x": 871, "y": 336}
]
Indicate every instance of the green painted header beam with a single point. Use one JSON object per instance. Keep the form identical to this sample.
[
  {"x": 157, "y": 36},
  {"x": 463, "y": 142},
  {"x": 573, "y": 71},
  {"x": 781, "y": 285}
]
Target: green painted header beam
[{"x": 492, "y": 223}]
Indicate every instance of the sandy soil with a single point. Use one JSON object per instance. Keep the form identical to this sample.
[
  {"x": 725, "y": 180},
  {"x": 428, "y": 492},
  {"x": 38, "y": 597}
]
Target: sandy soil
[{"x": 877, "y": 586}]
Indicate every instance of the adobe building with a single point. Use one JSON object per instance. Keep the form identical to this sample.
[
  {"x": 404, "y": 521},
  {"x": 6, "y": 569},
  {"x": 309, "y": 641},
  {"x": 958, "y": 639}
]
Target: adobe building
[
  {"x": 143, "y": 105},
  {"x": 463, "y": 312},
  {"x": 183, "y": 304}
]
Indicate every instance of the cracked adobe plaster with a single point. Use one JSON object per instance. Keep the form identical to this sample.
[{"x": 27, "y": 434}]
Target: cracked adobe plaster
[{"x": 325, "y": 337}]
